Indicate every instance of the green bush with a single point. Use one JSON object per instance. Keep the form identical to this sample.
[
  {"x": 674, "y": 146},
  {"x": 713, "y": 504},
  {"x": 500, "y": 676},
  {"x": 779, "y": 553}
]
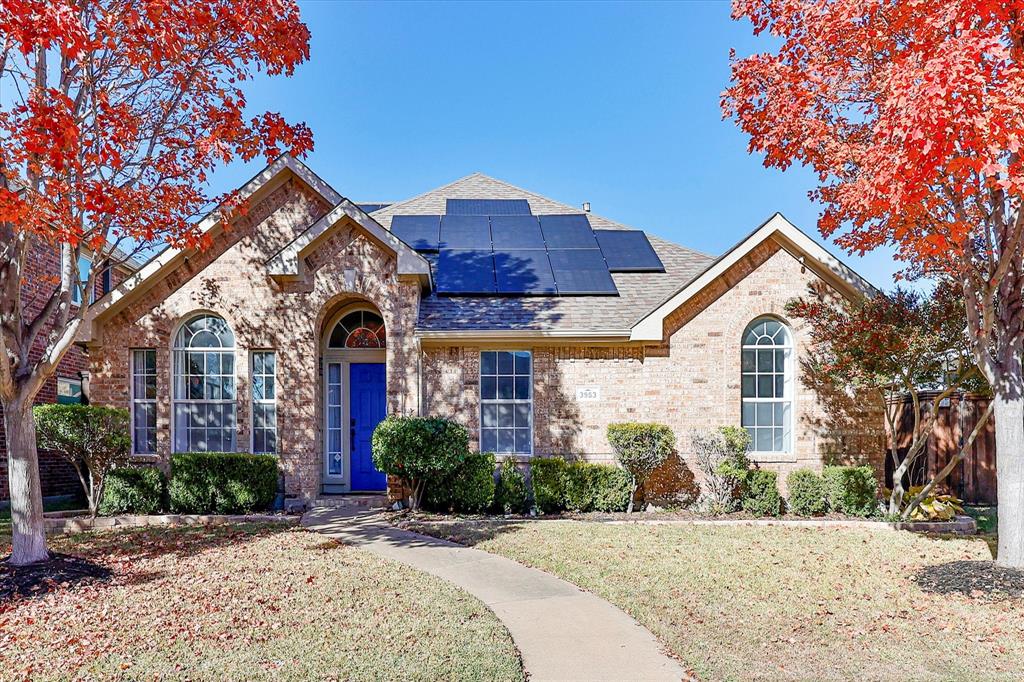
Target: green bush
[
  {"x": 851, "y": 490},
  {"x": 806, "y": 493},
  {"x": 419, "y": 450},
  {"x": 222, "y": 482},
  {"x": 548, "y": 477},
  {"x": 761, "y": 493},
  {"x": 596, "y": 487},
  {"x": 640, "y": 449},
  {"x": 133, "y": 490},
  {"x": 511, "y": 495},
  {"x": 469, "y": 489}
]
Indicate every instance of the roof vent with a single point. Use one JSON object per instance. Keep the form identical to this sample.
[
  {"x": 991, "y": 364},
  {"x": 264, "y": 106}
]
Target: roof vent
[{"x": 586, "y": 207}]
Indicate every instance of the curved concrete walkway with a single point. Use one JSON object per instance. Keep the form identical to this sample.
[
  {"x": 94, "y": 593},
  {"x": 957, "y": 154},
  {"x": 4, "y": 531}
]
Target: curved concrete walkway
[{"x": 562, "y": 632}]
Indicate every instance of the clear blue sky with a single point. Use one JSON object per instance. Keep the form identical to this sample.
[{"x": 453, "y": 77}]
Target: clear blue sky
[{"x": 616, "y": 104}]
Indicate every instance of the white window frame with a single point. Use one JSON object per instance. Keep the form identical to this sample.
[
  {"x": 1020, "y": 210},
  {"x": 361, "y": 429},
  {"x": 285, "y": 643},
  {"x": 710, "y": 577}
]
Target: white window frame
[
  {"x": 179, "y": 356},
  {"x": 788, "y": 397},
  {"x": 505, "y": 401},
  {"x": 253, "y": 402},
  {"x": 135, "y": 399}
]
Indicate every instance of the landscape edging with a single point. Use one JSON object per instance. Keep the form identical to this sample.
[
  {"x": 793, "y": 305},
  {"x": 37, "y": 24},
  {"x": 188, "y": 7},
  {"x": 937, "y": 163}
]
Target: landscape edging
[{"x": 80, "y": 524}]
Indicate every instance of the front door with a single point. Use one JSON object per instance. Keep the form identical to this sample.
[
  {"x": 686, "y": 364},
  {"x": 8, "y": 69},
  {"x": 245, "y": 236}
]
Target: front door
[{"x": 367, "y": 407}]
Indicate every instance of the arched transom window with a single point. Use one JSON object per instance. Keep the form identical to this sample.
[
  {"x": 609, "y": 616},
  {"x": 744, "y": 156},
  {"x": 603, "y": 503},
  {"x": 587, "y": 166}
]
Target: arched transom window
[
  {"x": 358, "y": 329},
  {"x": 767, "y": 385},
  {"x": 204, "y": 386}
]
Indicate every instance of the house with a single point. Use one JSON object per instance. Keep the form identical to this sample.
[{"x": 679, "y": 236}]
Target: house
[
  {"x": 42, "y": 269},
  {"x": 532, "y": 322}
]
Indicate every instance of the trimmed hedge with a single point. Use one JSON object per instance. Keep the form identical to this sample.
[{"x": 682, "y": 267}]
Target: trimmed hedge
[
  {"x": 222, "y": 482},
  {"x": 851, "y": 490},
  {"x": 470, "y": 488},
  {"x": 761, "y": 493},
  {"x": 579, "y": 486},
  {"x": 806, "y": 493},
  {"x": 133, "y": 490},
  {"x": 548, "y": 477},
  {"x": 511, "y": 495}
]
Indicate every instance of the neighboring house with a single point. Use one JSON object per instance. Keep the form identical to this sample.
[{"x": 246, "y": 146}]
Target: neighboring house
[
  {"x": 42, "y": 272},
  {"x": 309, "y": 319}
]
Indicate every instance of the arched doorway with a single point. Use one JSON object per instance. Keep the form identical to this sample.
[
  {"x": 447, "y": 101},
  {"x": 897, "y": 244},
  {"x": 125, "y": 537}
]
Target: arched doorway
[{"x": 355, "y": 398}]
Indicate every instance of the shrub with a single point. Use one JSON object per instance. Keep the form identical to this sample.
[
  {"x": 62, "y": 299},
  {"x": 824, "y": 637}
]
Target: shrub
[
  {"x": 851, "y": 490},
  {"x": 510, "y": 494},
  {"x": 419, "y": 450},
  {"x": 222, "y": 482},
  {"x": 93, "y": 439},
  {"x": 470, "y": 488},
  {"x": 133, "y": 490},
  {"x": 548, "y": 476},
  {"x": 640, "y": 449},
  {"x": 721, "y": 456},
  {"x": 761, "y": 493},
  {"x": 806, "y": 493}
]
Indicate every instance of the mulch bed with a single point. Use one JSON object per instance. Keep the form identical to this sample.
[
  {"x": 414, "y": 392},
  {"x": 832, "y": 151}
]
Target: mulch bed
[
  {"x": 975, "y": 579},
  {"x": 59, "y": 571}
]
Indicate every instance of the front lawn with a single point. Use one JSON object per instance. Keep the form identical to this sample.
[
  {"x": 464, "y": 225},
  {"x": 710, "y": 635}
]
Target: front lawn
[
  {"x": 242, "y": 603},
  {"x": 774, "y": 602}
]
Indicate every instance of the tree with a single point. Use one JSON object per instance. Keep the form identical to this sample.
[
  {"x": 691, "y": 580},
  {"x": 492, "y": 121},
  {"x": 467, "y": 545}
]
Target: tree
[
  {"x": 886, "y": 348},
  {"x": 113, "y": 115},
  {"x": 93, "y": 439},
  {"x": 420, "y": 450},
  {"x": 912, "y": 117},
  {"x": 721, "y": 458},
  {"x": 640, "y": 449}
]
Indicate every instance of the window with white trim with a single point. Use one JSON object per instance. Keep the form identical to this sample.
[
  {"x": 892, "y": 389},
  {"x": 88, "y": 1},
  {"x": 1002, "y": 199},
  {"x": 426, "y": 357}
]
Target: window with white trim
[
  {"x": 767, "y": 385},
  {"x": 264, "y": 406},
  {"x": 506, "y": 402},
  {"x": 144, "y": 401},
  {"x": 204, "y": 386}
]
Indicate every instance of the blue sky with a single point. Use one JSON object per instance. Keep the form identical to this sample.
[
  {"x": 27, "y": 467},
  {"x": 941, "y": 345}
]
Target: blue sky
[{"x": 616, "y": 104}]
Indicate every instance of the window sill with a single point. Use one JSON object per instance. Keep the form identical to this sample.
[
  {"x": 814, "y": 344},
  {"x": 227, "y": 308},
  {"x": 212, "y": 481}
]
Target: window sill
[
  {"x": 144, "y": 459},
  {"x": 772, "y": 457}
]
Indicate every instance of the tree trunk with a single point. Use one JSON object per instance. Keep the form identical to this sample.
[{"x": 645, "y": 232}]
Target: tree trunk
[
  {"x": 29, "y": 532},
  {"x": 1009, "y": 427}
]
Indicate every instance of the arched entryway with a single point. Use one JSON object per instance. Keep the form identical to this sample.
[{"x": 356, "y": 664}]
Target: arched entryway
[{"x": 355, "y": 398}]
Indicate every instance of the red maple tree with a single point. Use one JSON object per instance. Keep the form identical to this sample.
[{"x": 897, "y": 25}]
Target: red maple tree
[
  {"x": 912, "y": 115},
  {"x": 113, "y": 115}
]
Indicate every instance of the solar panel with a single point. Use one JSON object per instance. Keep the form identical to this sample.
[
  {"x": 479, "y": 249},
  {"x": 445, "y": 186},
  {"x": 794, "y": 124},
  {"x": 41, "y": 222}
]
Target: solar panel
[
  {"x": 465, "y": 232},
  {"x": 516, "y": 232},
  {"x": 628, "y": 251},
  {"x": 524, "y": 271},
  {"x": 465, "y": 271},
  {"x": 370, "y": 208},
  {"x": 487, "y": 207},
  {"x": 421, "y": 232},
  {"x": 570, "y": 231},
  {"x": 581, "y": 271}
]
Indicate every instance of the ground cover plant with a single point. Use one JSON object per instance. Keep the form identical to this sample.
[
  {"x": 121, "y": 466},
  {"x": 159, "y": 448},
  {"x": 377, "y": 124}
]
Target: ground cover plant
[
  {"x": 744, "y": 602},
  {"x": 246, "y": 602}
]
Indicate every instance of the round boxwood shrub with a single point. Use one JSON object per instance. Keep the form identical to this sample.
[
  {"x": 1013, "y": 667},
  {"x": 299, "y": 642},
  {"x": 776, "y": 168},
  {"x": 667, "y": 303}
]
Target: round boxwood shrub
[
  {"x": 469, "y": 489},
  {"x": 510, "y": 494},
  {"x": 851, "y": 490},
  {"x": 761, "y": 493},
  {"x": 806, "y": 493},
  {"x": 133, "y": 490},
  {"x": 548, "y": 478},
  {"x": 419, "y": 450},
  {"x": 640, "y": 449}
]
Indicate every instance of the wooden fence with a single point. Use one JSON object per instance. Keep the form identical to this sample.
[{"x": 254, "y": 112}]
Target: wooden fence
[{"x": 974, "y": 479}]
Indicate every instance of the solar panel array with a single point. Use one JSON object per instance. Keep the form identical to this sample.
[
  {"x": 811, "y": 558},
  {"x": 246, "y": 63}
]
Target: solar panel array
[{"x": 509, "y": 251}]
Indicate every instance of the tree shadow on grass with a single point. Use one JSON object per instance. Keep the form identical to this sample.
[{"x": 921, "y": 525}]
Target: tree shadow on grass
[
  {"x": 58, "y": 572},
  {"x": 975, "y": 579}
]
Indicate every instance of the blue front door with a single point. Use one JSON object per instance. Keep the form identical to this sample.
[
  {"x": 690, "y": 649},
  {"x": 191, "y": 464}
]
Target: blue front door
[{"x": 367, "y": 409}]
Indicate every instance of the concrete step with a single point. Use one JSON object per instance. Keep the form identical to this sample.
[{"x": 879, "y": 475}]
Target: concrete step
[{"x": 352, "y": 501}]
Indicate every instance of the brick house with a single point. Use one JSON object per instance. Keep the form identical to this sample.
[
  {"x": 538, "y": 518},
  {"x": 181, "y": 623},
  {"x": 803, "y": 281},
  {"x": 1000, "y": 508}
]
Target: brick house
[
  {"x": 70, "y": 383},
  {"x": 533, "y": 323}
]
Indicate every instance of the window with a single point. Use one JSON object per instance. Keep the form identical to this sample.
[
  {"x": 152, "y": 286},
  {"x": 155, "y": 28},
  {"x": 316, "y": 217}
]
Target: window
[
  {"x": 204, "y": 386},
  {"x": 767, "y": 385},
  {"x": 506, "y": 402},
  {"x": 358, "y": 329},
  {"x": 144, "y": 401},
  {"x": 264, "y": 408},
  {"x": 69, "y": 391},
  {"x": 84, "y": 265},
  {"x": 107, "y": 278}
]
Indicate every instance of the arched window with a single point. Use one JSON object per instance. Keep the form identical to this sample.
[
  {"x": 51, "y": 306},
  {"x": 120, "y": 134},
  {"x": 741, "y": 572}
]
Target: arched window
[
  {"x": 204, "y": 386},
  {"x": 767, "y": 385},
  {"x": 358, "y": 329}
]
